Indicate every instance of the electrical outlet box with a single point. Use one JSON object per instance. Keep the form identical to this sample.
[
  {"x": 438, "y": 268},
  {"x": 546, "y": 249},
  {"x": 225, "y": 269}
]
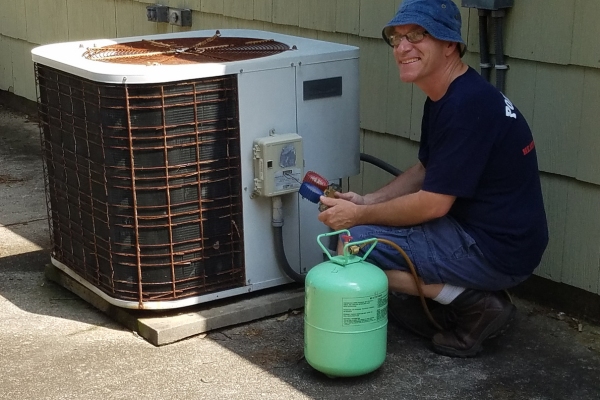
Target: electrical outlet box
[
  {"x": 157, "y": 13},
  {"x": 278, "y": 164},
  {"x": 488, "y": 4},
  {"x": 180, "y": 17}
]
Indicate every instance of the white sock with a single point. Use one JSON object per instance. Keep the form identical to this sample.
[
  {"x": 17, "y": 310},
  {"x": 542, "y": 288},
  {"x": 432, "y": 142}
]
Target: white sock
[{"x": 448, "y": 294}]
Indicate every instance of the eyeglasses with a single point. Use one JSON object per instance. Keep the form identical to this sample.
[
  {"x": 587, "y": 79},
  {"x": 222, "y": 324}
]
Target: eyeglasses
[{"x": 412, "y": 37}]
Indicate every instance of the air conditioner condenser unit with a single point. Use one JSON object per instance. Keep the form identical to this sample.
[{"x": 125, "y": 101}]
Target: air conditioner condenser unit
[{"x": 162, "y": 153}]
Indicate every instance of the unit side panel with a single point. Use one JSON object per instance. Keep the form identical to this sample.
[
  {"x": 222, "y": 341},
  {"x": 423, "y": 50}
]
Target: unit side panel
[
  {"x": 328, "y": 121},
  {"x": 328, "y": 117},
  {"x": 267, "y": 101}
]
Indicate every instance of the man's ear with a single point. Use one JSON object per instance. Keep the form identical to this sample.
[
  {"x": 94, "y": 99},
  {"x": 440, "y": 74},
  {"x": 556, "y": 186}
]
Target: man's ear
[{"x": 450, "y": 48}]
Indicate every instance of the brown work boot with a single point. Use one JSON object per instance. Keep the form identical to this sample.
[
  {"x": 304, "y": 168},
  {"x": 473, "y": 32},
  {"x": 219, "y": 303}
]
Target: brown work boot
[
  {"x": 407, "y": 312},
  {"x": 479, "y": 316}
]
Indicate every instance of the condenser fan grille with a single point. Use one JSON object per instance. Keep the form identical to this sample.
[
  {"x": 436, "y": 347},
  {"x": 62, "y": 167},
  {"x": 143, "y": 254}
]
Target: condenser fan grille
[
  {"x": 186, "y": 50},
  {"x": 143, "y": 184}
]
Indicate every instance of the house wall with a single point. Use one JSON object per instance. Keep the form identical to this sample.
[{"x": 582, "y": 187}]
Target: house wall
[{"x": 554, "y": 79}]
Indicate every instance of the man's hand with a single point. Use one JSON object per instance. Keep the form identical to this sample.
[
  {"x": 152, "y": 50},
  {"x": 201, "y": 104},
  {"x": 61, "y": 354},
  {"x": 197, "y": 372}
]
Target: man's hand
[
  {"x": 351, "y": 197},
  {"x": 341, "y": 214}
]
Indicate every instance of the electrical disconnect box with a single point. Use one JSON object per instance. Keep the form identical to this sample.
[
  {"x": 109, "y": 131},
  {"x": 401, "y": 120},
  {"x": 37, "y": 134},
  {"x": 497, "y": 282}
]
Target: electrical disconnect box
[
  {"x": 488, "y": 4},
  {"x": 157, "y": 13},
  {"x": 278, "y": 164},
  {"x": 180, "y": 17}
]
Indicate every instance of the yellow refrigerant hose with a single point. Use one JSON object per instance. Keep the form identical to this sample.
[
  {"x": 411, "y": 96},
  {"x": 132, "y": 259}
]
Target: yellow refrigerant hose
[{"x": 413, "y": 271}]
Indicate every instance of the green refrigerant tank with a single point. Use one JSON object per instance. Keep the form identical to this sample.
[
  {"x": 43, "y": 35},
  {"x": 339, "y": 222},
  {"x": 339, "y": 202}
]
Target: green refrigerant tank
[{"x": 345, "y": 314}]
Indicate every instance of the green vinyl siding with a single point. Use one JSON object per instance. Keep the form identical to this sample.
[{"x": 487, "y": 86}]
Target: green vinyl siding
[
  {"x": 374, "y": 15},
  {"x": 286, "y": 12},
  {"x": 347, "y": 16},
  {"x": 581, "y": 260},
  {"x": 555, "y": 190},
  {"x": 557, "y": 117},
  {"x": 90, "y": 19},
  {"x": 540, "y": 30},
  {"x": 374, "y": 61},
  {"x": 131, "y": 19},
  {"x": 211, "y": 6},
  {"x": 263, "y": 10},
  {"x": 317, "y": 14},
  {"x": 585, "y": 46},
  {"x": 588, "y": 157},
  {"x": 242, "y": 9},
  {"x": 399, "y": 103}
]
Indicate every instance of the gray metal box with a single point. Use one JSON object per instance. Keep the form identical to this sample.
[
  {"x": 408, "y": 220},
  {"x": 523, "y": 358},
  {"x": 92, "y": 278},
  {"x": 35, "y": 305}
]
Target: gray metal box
[{"x": 488, "y": 4}]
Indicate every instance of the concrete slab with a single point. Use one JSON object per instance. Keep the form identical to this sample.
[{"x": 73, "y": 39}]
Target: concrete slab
[{"x": 164, "y": 327}]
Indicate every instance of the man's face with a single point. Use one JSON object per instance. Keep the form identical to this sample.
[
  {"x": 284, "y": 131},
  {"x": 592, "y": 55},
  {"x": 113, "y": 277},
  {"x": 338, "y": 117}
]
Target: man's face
[{"x": 418, "y": 61}]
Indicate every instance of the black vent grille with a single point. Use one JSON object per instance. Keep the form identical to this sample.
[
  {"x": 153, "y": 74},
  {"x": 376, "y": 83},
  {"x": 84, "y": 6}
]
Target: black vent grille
[{"x": 143, "y": 184}]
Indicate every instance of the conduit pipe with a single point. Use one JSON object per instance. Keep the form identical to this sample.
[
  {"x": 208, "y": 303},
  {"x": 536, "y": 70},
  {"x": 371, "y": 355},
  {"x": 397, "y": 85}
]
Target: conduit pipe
[
  {"x": 501, "y": 67},
  {"x": 484, "y": 48}
]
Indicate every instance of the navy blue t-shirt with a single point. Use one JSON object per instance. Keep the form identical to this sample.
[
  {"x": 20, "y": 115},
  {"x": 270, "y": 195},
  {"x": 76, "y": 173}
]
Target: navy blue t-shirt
[{"x": 477, "y": 146}]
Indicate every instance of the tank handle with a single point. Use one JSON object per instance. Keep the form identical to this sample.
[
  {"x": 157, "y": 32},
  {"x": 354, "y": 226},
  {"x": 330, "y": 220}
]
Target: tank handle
[{"x": 347, "y": 246}]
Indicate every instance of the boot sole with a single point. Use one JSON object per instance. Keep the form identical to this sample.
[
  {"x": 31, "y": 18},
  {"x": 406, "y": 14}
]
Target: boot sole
[{"x": 496, "y": 328}]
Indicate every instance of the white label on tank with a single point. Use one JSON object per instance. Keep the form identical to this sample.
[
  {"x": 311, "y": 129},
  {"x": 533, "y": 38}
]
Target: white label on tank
[
  {"x": 364, "y": 310},
  {"x": 288, "y": 179}
]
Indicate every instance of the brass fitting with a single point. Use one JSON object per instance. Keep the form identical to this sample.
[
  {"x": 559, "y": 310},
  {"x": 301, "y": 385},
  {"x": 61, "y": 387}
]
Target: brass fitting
[{"x": 354, "y": 249}]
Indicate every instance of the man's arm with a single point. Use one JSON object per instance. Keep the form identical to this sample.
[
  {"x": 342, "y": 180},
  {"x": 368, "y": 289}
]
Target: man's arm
[
  {"x": 400, "y": 203},
  {"x": 411, "y": 209},
  {"x": 410, "y": 181}
]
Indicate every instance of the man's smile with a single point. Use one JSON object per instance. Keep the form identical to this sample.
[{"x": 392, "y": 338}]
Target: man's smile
[{"x": 410, "y": 61}]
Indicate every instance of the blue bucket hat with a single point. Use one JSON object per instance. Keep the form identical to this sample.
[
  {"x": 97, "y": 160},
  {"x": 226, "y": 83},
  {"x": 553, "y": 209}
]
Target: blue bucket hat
[{"x": 441, "y": 18}]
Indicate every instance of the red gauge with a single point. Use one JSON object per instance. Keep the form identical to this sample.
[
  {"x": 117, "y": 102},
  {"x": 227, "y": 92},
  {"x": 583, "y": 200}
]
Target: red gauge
[{"x": 316, "y": 180}]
